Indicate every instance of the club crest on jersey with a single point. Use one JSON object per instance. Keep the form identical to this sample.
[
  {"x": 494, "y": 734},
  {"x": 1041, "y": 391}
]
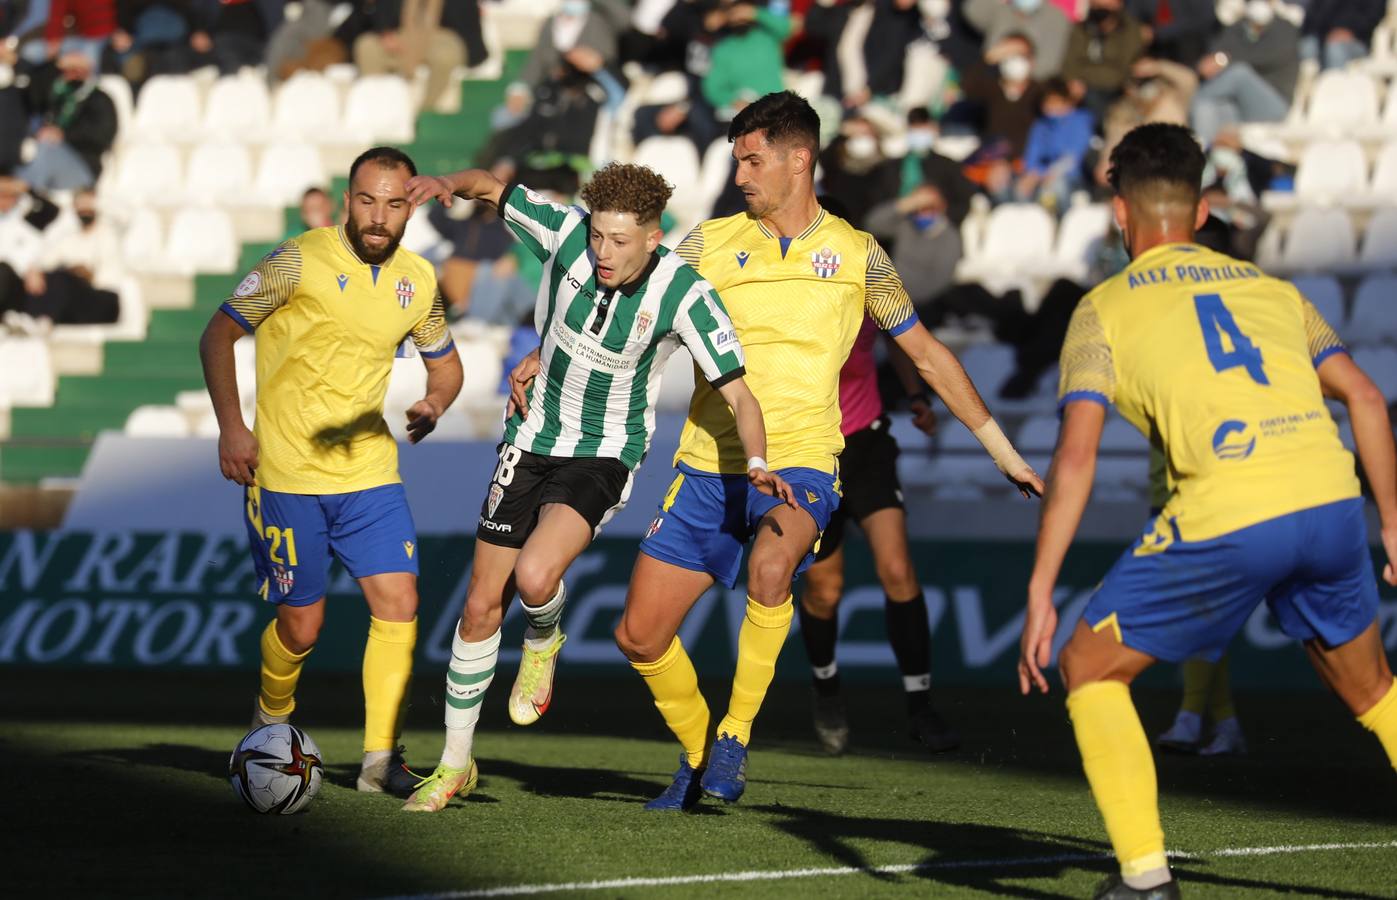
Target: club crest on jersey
[
  {"x": 654, "y": 526},
  {"x": 405, "y": 292},
  {"x": 742, "y": 258},
  {"x": 409, "y": 548},
  {"x": 825, "y": 262},
  {"x": 284, "y": 578},
  {"x": 342, "y": 279},
  {"x": 642, "y": 323},
  {"x": 493, "y": 503}
]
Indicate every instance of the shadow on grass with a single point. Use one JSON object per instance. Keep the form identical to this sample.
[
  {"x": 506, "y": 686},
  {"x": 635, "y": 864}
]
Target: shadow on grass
[{"x": 988, "y": 858}]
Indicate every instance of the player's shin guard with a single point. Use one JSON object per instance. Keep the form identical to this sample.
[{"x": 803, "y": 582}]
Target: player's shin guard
[
  {"x": 1382, "y": 721},
  {"x": 387, "y": 671},
  {"x": 820, "y": 636},
  {"x": 758, "y": 644},
  {"x": 281, "y": 669},
  {"x": 674, "y": 685},
  {"x": 910, "y": 637},
  {"x": 1120, "y": 769},
  {"x": 468, "y": 676}
]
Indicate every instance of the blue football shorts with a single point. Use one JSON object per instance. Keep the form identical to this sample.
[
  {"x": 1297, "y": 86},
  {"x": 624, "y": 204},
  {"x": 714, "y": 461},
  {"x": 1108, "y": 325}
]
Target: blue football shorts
[
  {"x": 1312, "y": 568},
  {"x": 706, "y": 519},
  {"x": 294, "y": 537}
]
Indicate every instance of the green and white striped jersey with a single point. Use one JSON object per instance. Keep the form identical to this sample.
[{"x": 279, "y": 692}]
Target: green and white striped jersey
[{"x": 603, "y": 350}]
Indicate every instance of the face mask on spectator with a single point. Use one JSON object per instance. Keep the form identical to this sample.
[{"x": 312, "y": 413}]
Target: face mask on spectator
[
  {"x": 936, "y": 9},
  {"x": 1099, "y": 14},
  {"x": 861, "y": 147},
  {"x": 1016, "y": 68},
  {"x": 920, "y": 141},
  {"x": 87, "y": 218},
  {"x": 574, "y": 7},
  {"x": 926, "y": 220},
  {"x": 1260, "y": 13},
  {"x": 1027, "y": 6}
]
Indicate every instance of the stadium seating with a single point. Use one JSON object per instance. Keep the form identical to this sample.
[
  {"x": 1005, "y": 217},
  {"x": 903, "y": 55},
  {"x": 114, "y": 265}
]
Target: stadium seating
[
  {"x": 169, "y": 109},
  {"x": 201, "y": 240},
  {"x": 1327, "y": 296},
  {"x": 238, "y": 108},
  {"x": 157, "y": 421},
  {"x": 307, "y": 107},
  {"x": 1078, "y": 233},
  {"x": 1374, "y": 317},
  {"x": 1381, "y": 365},
  {"x": 1341, "y": 101},
  {"x": 380, "y": 108},
  {"x": 146, "y": 173},
  {"x": 677, "y": 161},
  {"x": 1022, "y": 232},
  {"x": 1318, "y": 239},
  {"x": 285, "y": 171},
  {"x": 26, "y": 378},
  {"x": 218, "y": 174}
]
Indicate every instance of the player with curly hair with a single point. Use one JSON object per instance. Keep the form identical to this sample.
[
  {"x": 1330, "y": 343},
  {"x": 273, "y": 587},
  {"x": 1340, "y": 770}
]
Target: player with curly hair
[{"x": 612, "y": 306}]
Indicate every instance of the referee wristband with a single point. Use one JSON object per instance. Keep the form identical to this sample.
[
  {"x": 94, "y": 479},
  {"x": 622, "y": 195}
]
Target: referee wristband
[
  {"x": 1005, "y": 457},
  {"x": 756, "y": 462}
]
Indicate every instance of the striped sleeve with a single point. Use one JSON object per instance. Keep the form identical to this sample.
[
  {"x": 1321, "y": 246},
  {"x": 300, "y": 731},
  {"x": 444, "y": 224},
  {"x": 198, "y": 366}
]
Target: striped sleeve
[
  {"x": 266, "y": 288},
  {"x": 1088, "y": 371},
  {"x": 1323, "y": 341},
  {"x": 538, "y": 222},
  {"x": 691, "y": 248},
  {"x": 885, "y": 299},
  {"x": 430, "y": 335},
  {"x": 704, "y": 327}
]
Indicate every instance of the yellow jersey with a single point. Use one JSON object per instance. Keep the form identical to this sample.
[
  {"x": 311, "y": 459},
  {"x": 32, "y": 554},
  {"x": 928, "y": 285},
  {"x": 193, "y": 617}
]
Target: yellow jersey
[
  {"x": 797, "y": 304},
  {"x": 328, "y": 327},
  {"x": 1214, "y": 362}
]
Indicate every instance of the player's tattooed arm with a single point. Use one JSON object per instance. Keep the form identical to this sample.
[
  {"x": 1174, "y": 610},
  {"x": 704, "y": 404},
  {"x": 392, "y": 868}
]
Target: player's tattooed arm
[
  {"x": 751, "y": 430},
  {"x": 469, "y": 184},
  {"x": 1064, "y": 501},
  {"x": 237, "y": 446}
]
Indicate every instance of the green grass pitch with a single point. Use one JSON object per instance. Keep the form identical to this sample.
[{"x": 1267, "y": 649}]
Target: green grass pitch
[{"x": 116, "y": 787}]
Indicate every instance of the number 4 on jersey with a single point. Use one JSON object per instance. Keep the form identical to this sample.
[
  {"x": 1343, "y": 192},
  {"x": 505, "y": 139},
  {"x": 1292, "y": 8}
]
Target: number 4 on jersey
[{"x": 1216, "y": 320}]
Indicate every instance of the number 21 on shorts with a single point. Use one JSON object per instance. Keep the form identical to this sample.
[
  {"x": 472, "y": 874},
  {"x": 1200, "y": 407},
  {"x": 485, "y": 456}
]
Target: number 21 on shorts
[{"x": 1216, "y": 321}]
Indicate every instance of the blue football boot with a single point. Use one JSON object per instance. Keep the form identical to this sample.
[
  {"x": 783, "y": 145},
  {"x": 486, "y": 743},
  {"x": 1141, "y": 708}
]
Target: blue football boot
[
  {"x": 683, "y": 793},
  {"x": 726, "y": 775}
]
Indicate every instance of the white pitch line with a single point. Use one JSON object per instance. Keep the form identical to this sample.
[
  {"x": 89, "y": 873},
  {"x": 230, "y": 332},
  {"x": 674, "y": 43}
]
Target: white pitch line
[{"x": 519, "y": 890}]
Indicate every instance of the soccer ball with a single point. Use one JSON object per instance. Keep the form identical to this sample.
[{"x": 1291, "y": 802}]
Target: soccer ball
[{"x": 276, "y": 769}]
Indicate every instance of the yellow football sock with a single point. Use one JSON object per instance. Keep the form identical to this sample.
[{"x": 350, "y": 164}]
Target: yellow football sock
[
  {"x": 1382, "y": 721},
  {"x": 387, "y": 671},
  {"x": 1120, "y": 769},
  {"x": 674, "y": 685},
  {"x": 758, "y": 644},
  {"x": 1198, "y": 677},
  {"x": 1220, "y": 706},
  {"x": 281, "y": 669}
]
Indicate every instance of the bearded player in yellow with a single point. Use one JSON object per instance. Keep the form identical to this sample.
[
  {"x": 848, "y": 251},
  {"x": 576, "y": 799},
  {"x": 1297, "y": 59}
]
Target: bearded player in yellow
[
  {"x": 331, "y": 308},
  {"x": 1227, "y": 370},
  {"x": 797, "y": 282}
]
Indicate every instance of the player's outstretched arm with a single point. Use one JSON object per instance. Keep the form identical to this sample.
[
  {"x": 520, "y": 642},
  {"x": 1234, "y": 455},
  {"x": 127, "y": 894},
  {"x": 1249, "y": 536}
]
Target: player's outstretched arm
[
  {"x": 1069, "y": 488},
  {"x": 1344, "y": 381},
  {"x": 237, "y": 446},
  {"x": 941, "y": 370},
  {"x": 751, "y": 430},
  {"x": 468, "y": 184},
  {"x": 444, "y": 379}
]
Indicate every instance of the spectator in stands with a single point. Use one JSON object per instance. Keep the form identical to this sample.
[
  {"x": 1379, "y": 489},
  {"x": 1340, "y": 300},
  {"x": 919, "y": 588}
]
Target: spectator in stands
[
  {"x": 747, "y": 60},
  {"x": 1100, "y": 52},
  {"x": 406, "y": 34},
  {"x": 77, "y": 269},
  {"x": 153, "y": 38},
  {"x": 857, "y": 174},
  {"x": 865, "y": 45},
  {"x": 1003, "y": 86},
  {"x": 581, "y": 38},
  {"x": 1057, "y": 145},
  {"x": 997, "y": 19},
  {"x": 80, "y": 26},
  {"x": 1160, "y": 90},
  {"x": 24, "y": 217},
  {"x": 1249, "y": 73},
  {"x": 926, "y": 244},
  {"x": 317, "y": 210},
  {"x": 923, "y": 164},
  {"x": 307, "y": 42},
  {"x": 77, "y": 125},
  {"x": 235, "y": 32},
  {"x": 480, "y": 278},
  {"x": 14, "y": 114},
  {"x": 1176, "y": 30},
  {"x": 1336, "y": 32},
  {"x": 22, "y": 24}
]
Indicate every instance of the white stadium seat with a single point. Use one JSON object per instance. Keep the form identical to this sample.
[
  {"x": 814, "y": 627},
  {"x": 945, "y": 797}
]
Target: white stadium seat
[
  {"x": 218, "y": 175},
  {"x": 26, "y": 378},
  {"x": 406, "y": 386},
  {"x": 119, "y": 90},
  {"x": 1341, "y": 101},
  {"x": 380, "y": 108},
  {"x": 143, "y": 244},
  {"x": 1374, "y": 318},
  {"x": 1017, "y": 240},
  {"x": 1380, "y": 364},
  {"x": 676, "y": 382},
  {"x": 307, "y": 107},
  {"x": 148, "y": 173},
  {"x": 1326, "y": 295},
  {"x": 157, "y": 421},
  {"x": 201, "y": 241},
  {"x": 482, "y": 359},
  {"x": 1379, "y": 250},
  {"x": 1331, "y": 172},
  {"x": 1077, "y": 237},
  {"x": 677, "y": 161},
  {"x": 1318, "y": 239},
  {"x": 238, "y": 108},
  {"x": 245, "y": 364},
  {"x": 286, "y": 170},
  {"x": 168, "y": 109},
  {"x": 1383, "y": 189}
]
